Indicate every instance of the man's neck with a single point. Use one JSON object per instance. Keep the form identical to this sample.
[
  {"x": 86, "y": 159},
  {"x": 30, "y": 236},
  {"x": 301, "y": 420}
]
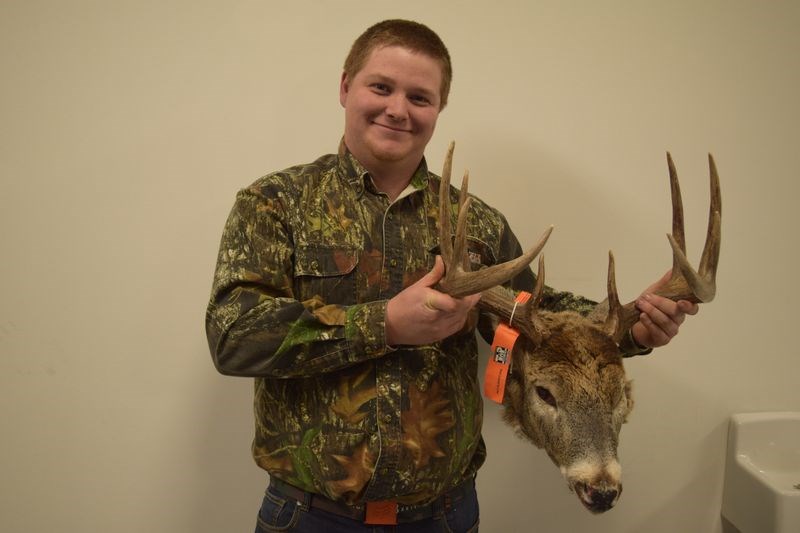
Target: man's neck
[
  {"x": 389, "y": 177},
  {"x": 392, "y": 183}
]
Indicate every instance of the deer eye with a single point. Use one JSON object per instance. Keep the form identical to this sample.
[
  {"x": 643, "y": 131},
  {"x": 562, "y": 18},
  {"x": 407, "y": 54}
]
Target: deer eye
[{"x": 545, "y": 395}]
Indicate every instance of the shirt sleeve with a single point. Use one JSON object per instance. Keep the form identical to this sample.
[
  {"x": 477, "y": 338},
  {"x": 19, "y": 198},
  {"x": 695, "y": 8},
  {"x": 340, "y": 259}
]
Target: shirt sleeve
[{"x": 254, "y": 324}]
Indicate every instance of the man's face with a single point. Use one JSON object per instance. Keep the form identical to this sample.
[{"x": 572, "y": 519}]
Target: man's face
[{"x": 391, "y": 106}]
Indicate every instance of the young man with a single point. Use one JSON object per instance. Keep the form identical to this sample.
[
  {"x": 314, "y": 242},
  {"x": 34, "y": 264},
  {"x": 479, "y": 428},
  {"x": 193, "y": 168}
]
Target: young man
[{"x": 367, "y": 403}]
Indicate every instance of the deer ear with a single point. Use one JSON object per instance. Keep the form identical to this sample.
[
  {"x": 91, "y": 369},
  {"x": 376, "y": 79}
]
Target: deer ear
[
  {"x": 629, "y": 397},
  {"x": 512, "y": 403}
]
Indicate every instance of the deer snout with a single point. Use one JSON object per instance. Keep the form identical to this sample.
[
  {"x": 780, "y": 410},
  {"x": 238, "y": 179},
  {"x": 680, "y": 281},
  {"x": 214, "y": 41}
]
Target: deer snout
[{"x": 596, "y": 483}]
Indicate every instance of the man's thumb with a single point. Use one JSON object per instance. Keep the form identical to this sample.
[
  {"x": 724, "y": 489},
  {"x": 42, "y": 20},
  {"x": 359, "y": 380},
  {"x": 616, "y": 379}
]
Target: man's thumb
[{"x": 432, "y": 278}]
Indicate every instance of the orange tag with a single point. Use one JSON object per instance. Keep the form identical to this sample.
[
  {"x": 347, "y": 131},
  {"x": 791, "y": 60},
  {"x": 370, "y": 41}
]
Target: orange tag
[
  {"x": 494, "y": 384},
  {"x": 381, "y": 513}
]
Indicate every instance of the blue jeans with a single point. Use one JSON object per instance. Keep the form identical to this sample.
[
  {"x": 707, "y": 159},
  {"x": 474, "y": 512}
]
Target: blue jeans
[{"x": 282, "y": 514}]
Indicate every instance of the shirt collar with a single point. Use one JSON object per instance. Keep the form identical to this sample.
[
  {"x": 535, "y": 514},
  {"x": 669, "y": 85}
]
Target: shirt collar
[{"x": 354, "y": 173}]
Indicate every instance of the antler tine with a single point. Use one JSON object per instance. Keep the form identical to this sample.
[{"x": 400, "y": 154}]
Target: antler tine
[
  {"x": 532, "y": 326},
  {"x": 463, "y": 195},
  {"x": 453, "y": 253},
  {"x": 538, "y": 290},
  {"x": 710, "y": 257},
  {"x": 459, "y": 246},
  {"x": 458, "y": 280},
  {"x": 614, "y": 319},
  {"x": 445, "y": 243},
  {"x": 677, "y": 214}
]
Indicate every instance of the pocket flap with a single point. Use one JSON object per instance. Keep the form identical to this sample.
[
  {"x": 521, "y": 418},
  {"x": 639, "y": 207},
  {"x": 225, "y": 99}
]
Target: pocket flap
[{"x": 323, "y": 261}]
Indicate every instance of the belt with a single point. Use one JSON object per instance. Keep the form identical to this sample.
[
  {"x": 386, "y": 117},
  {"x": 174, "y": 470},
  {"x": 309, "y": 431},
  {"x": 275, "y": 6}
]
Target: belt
[{"x": 364, "y": 513}]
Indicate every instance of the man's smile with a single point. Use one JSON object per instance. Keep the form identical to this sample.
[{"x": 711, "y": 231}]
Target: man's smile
[{"x": 392, "y": 128}]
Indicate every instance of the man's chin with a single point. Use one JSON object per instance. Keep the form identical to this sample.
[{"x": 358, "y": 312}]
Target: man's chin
[
  {"x": 388, "y": 156},
  {"x": 390, "y": 152}
]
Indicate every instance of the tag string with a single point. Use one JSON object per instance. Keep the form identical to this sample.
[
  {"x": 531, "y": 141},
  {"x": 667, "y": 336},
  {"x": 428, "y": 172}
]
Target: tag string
[
  {"x": 522, "y": 297},
  {"x": 511, "y": 320}
]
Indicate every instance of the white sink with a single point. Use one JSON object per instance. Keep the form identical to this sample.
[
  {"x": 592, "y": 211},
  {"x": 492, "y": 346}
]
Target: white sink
[{"x": 762, "y": 473}]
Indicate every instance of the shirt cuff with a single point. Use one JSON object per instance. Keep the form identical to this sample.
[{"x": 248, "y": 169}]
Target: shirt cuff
[
  {"x": 629, "y": 347},
  {"x": 365, "y": 330}
]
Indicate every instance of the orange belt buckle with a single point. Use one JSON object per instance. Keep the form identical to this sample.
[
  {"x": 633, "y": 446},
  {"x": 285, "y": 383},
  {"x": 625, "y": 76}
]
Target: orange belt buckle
[{"x": 382, "y": 513}]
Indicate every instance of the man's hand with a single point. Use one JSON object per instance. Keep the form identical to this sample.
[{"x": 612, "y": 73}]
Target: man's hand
[
  {"x": 420, "y": 314},
  {"x": 660, "y": 318}
]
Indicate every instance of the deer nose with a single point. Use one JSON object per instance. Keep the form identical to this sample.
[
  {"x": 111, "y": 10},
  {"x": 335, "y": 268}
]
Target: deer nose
[
  {"x": 602, "y": 500},
  {"x": 598, "y": 499}
]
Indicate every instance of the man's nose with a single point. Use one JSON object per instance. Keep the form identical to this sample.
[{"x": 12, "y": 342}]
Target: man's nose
[{"x": 397, "y": 107}]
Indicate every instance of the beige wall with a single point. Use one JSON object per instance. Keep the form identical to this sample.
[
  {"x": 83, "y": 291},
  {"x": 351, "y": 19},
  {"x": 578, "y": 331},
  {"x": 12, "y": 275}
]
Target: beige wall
[{"x": 127, "y": 128}]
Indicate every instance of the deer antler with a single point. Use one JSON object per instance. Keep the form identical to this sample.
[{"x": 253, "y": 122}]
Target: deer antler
[
  {"x": 686, "y": 283},
  {"x": 460, "y": 281}
]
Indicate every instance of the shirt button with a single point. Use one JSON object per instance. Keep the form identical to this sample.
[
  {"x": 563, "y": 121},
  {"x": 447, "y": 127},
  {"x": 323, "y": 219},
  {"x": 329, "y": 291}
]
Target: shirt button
[
  {"x": 393, "y": 262},
  {"x": 387, "y": 418},
  {"x": 314, "y": 264},
  {"x": 387, "y": 362}
]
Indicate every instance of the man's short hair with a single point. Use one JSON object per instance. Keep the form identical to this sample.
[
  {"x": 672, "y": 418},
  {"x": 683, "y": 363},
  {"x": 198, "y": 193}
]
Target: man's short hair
[{"x": 408, "y": 34}]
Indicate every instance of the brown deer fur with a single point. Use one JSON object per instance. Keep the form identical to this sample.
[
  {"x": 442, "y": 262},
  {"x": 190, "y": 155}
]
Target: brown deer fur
[{"x": 567, "y": 392}]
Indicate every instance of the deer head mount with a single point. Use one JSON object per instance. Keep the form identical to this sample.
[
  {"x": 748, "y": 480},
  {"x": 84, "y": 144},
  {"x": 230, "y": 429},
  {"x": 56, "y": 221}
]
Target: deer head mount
[{"x": 568, "y": 393}]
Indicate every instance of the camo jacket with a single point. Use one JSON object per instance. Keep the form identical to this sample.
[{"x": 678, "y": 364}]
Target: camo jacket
[{"x": 308, "y": 259}]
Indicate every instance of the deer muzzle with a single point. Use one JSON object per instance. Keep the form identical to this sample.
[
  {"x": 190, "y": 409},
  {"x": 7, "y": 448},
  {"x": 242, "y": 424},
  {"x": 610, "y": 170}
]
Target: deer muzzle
[{"x": 597, "y": 484}]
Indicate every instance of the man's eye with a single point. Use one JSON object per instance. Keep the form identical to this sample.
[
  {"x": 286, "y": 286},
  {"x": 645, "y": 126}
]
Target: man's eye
[
  {"x": 420, "y": 100},
  {"x": 380, "y": 87}
]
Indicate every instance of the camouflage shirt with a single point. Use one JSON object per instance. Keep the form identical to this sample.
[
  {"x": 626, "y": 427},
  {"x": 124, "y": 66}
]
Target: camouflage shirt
[{"x": 308, "y": 259}]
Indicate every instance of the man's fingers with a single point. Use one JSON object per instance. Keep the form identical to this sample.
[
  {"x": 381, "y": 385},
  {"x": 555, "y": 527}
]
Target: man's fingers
[
  {"x": 662, "y": 314},
  {"x": 660, "y": 318},
  {"x": 657, "y": 335},
  {"x": 688, "y": 307}
]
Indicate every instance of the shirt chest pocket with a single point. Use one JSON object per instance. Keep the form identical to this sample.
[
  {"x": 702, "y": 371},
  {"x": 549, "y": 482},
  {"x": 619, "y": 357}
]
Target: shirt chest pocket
[{"x": 328, "y": 272}]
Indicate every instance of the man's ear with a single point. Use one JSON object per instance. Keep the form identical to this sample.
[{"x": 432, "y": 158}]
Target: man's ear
[{"x": 344, "y": 88}]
